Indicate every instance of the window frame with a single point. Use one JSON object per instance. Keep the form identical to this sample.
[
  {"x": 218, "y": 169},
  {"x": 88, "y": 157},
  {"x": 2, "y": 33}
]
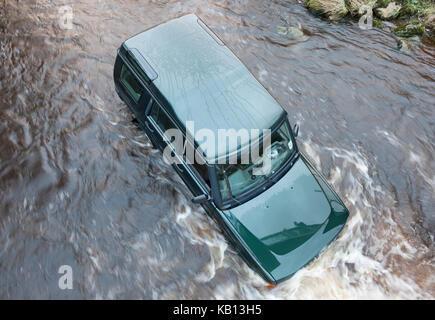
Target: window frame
[
  {"x": 205, "y": 185},
  {"x": 256, "y": 191},
  {"x": 135, "y": 106},
  {"x": 127, "y": 87},
  {"x": 192, "y": 171}
]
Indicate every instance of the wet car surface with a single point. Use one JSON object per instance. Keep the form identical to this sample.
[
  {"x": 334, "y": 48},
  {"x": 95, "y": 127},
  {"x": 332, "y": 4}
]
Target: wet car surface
[{"x": 77, "y": 174}]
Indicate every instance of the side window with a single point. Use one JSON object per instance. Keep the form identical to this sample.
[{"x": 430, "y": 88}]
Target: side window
[
  {"x": 129, "y": 81},
  {"x": 160, "y": 117}
]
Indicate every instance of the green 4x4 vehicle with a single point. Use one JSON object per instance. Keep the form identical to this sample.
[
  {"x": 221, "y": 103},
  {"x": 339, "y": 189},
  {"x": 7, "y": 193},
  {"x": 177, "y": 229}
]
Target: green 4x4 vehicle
[{"x": 181, "y": 72}]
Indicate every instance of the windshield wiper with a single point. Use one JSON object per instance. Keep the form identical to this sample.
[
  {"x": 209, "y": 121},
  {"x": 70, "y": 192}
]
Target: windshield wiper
[{"x": 227, "y": 183}]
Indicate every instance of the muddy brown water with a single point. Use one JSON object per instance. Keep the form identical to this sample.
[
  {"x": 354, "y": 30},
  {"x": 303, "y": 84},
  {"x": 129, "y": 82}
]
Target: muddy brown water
[{"x": 80, "y": 184}]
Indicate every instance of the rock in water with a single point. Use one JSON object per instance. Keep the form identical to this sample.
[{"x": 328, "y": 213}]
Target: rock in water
[
  {"x": 390, "y": 12},
  {"x": 290, "y": 32},
  {"x": 332, "y": 9},
  {"x": 404, "y": 46},
  {"x": 282, "y": 30},
  {"x": 430, "y": 25},
  {"x": 414, "y": 28}
]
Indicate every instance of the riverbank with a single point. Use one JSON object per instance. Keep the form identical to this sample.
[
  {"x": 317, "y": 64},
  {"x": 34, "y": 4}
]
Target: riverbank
[{"x": 413, "y": 18}]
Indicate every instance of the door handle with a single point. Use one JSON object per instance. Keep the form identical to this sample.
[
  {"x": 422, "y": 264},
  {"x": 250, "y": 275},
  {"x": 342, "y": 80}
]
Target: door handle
[
  {"x": 147, "y": 123},
  {"x": 179, "y": 168}
]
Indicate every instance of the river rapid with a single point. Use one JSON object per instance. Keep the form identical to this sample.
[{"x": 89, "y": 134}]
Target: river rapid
[{"x": 80, "y": 184}]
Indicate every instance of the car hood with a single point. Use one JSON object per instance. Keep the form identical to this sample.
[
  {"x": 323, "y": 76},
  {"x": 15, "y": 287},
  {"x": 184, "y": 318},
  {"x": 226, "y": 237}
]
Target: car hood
[{"x": 291, "y": 222}]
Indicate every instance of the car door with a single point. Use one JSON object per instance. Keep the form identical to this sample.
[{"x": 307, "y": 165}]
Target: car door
[
  {"x": 158, "y": 121},
  {"x": 194, "y": 176}
]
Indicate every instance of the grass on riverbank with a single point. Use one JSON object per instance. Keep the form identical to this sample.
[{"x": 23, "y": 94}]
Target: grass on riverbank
[{"x": 419, "y": 14}]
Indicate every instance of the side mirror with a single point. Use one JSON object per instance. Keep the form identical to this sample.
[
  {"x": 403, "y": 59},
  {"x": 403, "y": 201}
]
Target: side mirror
[
  {"x": 296, "y": 130},
  {"x": 201, "y": 198}
]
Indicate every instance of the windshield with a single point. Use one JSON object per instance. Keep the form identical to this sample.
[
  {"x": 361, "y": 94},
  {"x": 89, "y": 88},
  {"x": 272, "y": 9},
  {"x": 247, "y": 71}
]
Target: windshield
[{"x": 236, "y": 179}]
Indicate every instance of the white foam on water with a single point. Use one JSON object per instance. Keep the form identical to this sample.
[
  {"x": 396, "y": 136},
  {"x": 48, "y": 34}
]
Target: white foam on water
[
  {"x": 199, "y": 229},
  {"x": 262, "y": 74},
  {"x": 355, "y": 266}
]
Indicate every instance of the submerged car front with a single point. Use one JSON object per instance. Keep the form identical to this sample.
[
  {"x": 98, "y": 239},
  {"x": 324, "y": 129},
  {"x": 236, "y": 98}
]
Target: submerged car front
[{"x": 292, "y": 217}]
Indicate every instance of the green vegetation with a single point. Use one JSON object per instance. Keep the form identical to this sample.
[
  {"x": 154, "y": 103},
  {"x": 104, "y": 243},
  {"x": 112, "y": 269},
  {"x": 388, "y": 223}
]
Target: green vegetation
[
  {"x": 383, "y": 3},
  {"x": 415, "y": 17},
  {"x": 414, "y": 28},
  {"x": 378, "y": 23},
  {"x": 404, "y": 46},
  {"x": 417, "y": 5}
]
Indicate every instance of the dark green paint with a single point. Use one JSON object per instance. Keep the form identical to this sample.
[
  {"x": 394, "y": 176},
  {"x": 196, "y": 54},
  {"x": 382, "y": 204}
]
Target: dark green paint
[
  {"x": 197, "y": 78},
  {"x": 203, "y": 80},
  {"x": 290, "y": 223}
]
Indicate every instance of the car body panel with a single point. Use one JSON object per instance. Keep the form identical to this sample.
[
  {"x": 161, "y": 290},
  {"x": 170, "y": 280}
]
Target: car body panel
[
  {"x": 204, "y": 81},
  {"x": 290, "y": 223},
  {"x": 285, "y": 226}
]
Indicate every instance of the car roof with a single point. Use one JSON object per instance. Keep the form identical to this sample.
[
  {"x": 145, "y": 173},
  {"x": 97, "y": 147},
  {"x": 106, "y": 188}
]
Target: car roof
[{"x": 204, "y": 81}]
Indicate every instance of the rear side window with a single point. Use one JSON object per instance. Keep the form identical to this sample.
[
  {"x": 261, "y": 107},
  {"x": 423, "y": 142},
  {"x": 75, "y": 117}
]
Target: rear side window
[
  {"x": 160, "y": 117},
  {"x": 129, "y": 81}
]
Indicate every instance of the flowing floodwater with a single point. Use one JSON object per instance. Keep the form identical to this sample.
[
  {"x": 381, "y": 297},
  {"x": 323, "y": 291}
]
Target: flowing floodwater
[{"x": 80, "y": 184}]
